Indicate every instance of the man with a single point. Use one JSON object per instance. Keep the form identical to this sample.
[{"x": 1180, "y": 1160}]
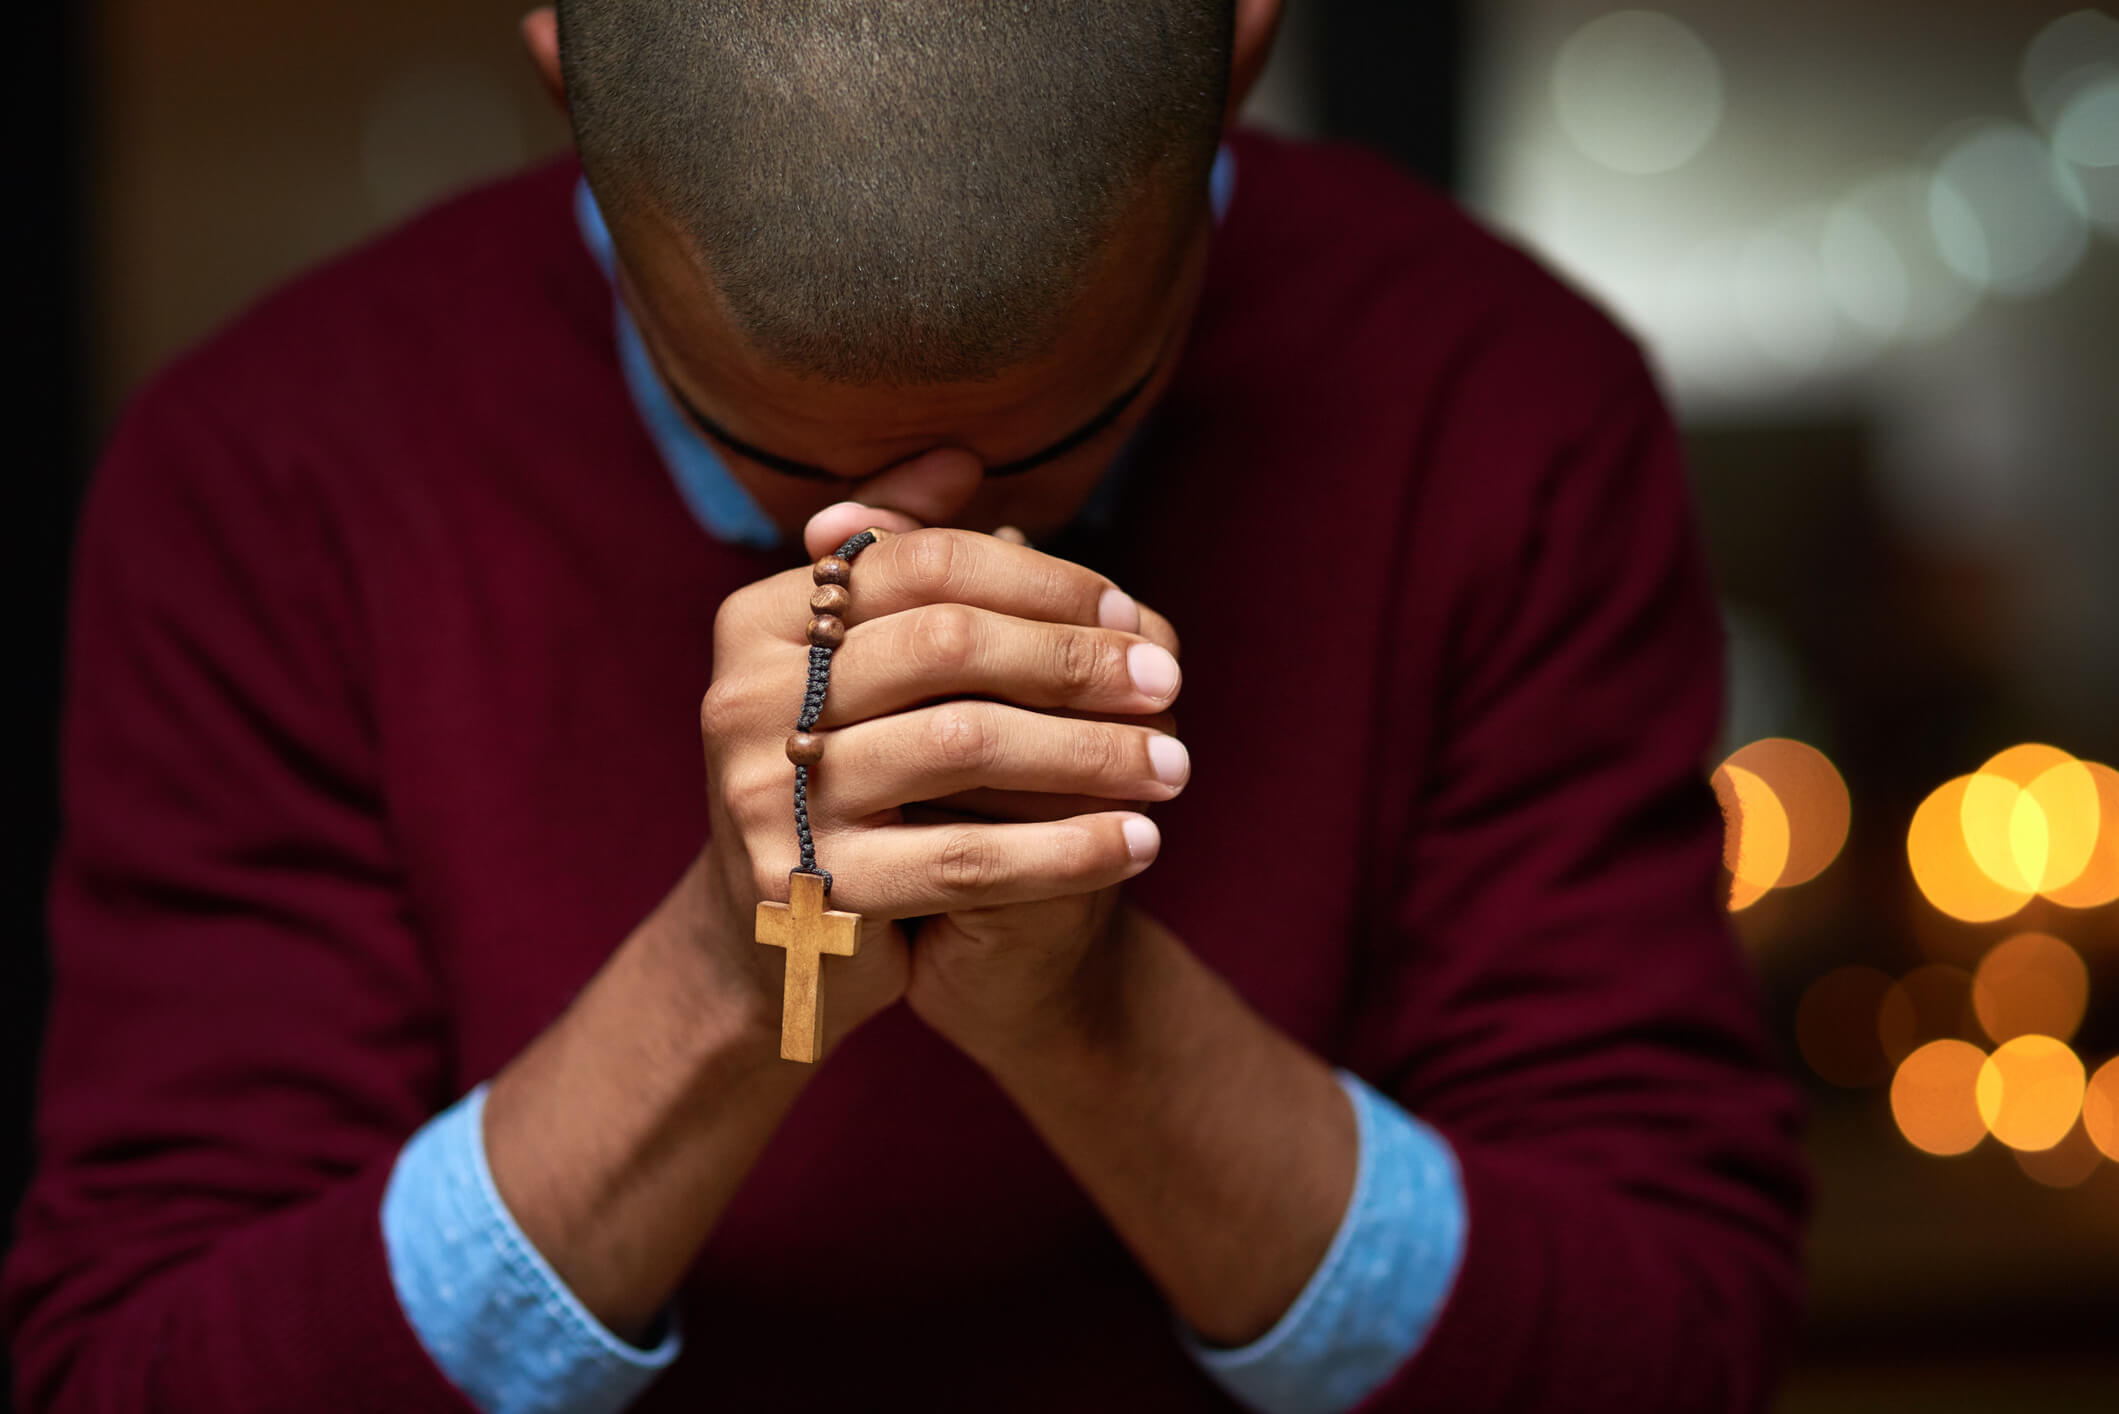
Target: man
[{"x": 412, "y": 1048}]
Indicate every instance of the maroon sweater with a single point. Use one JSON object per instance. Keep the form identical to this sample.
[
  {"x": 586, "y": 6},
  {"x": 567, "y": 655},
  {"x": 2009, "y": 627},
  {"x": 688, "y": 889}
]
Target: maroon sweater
[{"x": 388, "y": 633}]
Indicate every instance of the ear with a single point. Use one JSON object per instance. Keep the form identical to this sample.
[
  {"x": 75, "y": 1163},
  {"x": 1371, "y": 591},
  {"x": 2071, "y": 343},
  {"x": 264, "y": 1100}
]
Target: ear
[
  {"x": 1256, "y": 23},
  {"x": 540, "y": 35}
]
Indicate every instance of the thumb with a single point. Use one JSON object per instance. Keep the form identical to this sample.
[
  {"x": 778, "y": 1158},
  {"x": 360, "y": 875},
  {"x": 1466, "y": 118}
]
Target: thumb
[
  {"x": 840, "y": 521},
  {"x": 932, "y": 488}
]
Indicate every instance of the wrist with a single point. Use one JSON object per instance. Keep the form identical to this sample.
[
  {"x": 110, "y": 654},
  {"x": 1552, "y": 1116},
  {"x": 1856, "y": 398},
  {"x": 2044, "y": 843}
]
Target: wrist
[
  {"x": 1095, "y": 1034},
  {"x": 718, "y": 967}
]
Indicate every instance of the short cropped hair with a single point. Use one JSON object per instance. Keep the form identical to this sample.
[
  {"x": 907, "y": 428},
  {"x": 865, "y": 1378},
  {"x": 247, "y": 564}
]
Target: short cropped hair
[{"x": 897, "y": 191}]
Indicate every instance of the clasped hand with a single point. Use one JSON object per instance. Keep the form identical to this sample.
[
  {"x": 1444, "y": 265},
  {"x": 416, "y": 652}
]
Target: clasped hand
[{"x": 991, "y": 716}]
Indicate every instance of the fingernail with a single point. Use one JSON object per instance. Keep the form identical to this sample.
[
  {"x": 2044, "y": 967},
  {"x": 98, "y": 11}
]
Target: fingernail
[
  {"x": 1154, "y": 670},
  {"x": 1142, "y": 838},
  {"x": 1171, "y": 761},
  {"x": 1117, "y": 610}
]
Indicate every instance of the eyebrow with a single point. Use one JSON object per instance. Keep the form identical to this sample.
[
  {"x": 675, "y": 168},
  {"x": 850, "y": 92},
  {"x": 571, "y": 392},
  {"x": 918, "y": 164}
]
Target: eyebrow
[{"x": 787, "y": 466}]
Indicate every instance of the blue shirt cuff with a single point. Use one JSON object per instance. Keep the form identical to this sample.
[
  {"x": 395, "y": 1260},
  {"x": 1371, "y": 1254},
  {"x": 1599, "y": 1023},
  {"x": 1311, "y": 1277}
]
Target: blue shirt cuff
[
  {"x": 488, "y": 1307},
  {"x": 1383, "y": 1281}
]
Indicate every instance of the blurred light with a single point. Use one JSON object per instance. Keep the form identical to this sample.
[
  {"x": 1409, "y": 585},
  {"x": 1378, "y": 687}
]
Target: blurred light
[
  {"x": 2065, "y": 804},
  {"x": 2100, "y": 1109},
  {"x": 1863, "y": 271},
  {"x": 1836, "y": 1027},
  {"x": 433, "y": 127},
  {"x": 1637, "y": 91},
  {"x": 2007, "y": 214},
  {"x": 1931, "y": 1003},
  {"x": 2068, "y": 55},
  {"x": 1754, "y": 837},
  {"x": 2066, "y": 1164},
  {"x": 2030, "y": 1092},
  {"x": 1812, "y": 796},
  {"x": 1895, "y": 206},
  {"x": 1997, "y": 834},
  {"x": 2032, "y": 817},
  {"x": 2098, "y": 883},
  {"x": 1943, "y": 865},
  {"x": 2031, "y": 984},
  {"x": 2088, "y": 132},
  {"x": 2087, "y": 138},
  {"x": 1934, "y": 1097},
  {"x": 1783, "y": 301}
]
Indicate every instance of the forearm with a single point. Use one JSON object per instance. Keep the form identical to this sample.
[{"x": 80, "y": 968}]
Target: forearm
[
  {"x": 619, "y": 1136},
  {"x": 1221, "y": 1152}
]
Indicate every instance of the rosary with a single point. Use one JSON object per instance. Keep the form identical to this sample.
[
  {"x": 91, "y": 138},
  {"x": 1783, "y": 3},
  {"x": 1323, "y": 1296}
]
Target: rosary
[{"x": 802, "y": 925}]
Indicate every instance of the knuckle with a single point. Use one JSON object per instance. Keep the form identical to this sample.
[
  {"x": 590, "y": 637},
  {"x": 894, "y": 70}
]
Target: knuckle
[
  {"x": 963, "y": 737},
  {"x": 720, "y": 710},
  {"x": 750, "y": 791},
  {"x": 1063, "y": 585},
  {"x": 1090, "y": 852},
  {"x": 1080, "y": 662},
  {"x": 1096, "y": 752},
  {"x": 931, "y": 559},
  {"x": 943, "y": 638},
  {"x": 965, "y": 863}
]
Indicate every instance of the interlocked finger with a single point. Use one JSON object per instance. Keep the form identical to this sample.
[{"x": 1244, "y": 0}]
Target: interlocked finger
[
  {"x": 912, "y": 870},
  {"x": 955, "y": 650},
  {"x": 968, "y": 744}
]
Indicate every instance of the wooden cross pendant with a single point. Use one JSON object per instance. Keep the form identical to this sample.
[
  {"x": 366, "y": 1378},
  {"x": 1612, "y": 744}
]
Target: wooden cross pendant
[{"x": 807, "y": 930}]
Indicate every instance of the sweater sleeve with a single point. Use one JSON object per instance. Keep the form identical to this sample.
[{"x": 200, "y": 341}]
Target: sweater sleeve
[
  {"x": 244, "y": 1027},
  {"x": 1553, "y": 983}
]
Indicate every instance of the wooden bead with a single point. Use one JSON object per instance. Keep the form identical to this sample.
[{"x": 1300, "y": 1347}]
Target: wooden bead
[
  {"x": 831, "y": 599},
  {"x": 827, "y": 631},
  {"x": 805, "y": 748},
  {"x": 831, "y": 570}
]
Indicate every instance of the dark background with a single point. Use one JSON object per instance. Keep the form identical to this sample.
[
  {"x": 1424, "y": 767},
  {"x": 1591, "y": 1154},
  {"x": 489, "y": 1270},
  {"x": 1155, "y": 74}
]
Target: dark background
[{"x": 1916, "y": 544}]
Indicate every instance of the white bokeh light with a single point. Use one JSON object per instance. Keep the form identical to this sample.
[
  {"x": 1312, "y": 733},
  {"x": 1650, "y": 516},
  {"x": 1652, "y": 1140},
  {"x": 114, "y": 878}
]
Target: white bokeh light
[
  {"x": 2007, "y": 214},
  {"x": 2070, "y": 54},
  {"x": 1782, "y": 298},
  {"x": 1638, "y": 91},
  {"x": 2087, "y": 134},
  {"x": 2086, "y": 137},
  {"x": 1864, "y": 272},
  {"x": 1895, "y": 205}
]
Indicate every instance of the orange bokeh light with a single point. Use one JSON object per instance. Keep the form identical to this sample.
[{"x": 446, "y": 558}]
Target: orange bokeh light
[
  {"x": 1930, "y": 1003},
  {"x": 1755, "y": 837},
  {"x": 2097, "y": 883},
  {"x": 1934, "y": 1097},
  {"x": 2066, "y": 1164},
  {"x": 1943, "y": 864},
  {"x": 2031, "y": 818},
  {"x": 1812, "y": 796},
  {"x": 2030, "y": 1092},
  {"x": 2100, "y": 1109},
  {"x": 2031, "y": 984}
]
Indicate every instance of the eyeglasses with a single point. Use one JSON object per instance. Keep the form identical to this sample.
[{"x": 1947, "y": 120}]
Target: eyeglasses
[{"x": 787, "y": 466}]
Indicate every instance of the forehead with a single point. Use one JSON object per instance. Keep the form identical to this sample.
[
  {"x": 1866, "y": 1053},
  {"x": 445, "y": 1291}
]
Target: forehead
[{"x": 1121, "y": 314}]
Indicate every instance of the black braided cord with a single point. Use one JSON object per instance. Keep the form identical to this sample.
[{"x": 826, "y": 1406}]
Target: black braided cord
[{"x": 812, "y": 706}]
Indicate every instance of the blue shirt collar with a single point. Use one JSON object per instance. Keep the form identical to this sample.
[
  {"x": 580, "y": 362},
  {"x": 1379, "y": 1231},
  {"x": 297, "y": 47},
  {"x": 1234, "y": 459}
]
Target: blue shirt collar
[{"x": 716, "y": 499}]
